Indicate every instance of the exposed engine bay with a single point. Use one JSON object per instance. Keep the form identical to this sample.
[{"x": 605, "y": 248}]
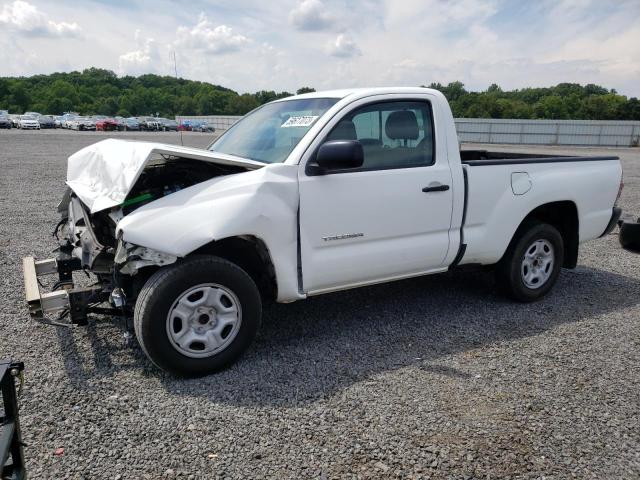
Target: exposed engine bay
[
  {"x": 169, "y": 175},
  {"x": 88, "y": 241},
  {"x": 92, "y": 236}
]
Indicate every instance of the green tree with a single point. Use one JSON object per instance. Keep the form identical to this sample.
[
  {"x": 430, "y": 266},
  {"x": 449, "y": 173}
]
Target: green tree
[
  {"x": 629, "y": 110},
  {"x": 241, "y": 104},
  {"x": 551, "y": 107},
  {"x": 602, "y": 107},
  {"x": 19, "y": 97}
]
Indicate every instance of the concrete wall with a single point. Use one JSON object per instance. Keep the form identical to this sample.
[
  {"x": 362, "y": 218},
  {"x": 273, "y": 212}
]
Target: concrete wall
[{"x": 536, "y": 132}]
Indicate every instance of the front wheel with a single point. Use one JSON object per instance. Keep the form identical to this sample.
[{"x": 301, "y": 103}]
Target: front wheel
[
  {"x": 531, "y": 265},
  {"x": 198, "y": 316}
]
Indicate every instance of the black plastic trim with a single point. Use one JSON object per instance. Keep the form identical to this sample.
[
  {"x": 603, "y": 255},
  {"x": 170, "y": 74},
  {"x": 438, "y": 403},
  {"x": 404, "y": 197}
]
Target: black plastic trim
[
  {"x": 461, "y": 251},
  {"x": 463, "y": 246},
  {"x": 520, "y": 161},
  {"x": 615, "y": 216},
  {"x": 437, "y": 188}
]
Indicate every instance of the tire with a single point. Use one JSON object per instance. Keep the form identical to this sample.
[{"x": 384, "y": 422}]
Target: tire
[
  {"x": 169, "y": 311},
  {"x": 531, "y": 265}
]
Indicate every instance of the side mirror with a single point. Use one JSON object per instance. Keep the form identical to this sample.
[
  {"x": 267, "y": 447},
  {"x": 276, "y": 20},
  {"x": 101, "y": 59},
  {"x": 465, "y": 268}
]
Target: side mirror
[{"x": 339, "y": 155}]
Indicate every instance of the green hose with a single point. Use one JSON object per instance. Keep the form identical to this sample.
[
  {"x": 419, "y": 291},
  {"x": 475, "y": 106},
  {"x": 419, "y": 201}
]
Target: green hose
[{"x": 140, "y": 198}]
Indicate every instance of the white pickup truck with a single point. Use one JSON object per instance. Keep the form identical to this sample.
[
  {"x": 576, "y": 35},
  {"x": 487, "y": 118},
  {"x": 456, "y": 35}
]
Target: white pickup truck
[{"x": 306, "y": 195}]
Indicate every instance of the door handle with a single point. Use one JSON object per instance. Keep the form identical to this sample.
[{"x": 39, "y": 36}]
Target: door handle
[{"x": 436, "y": 188}]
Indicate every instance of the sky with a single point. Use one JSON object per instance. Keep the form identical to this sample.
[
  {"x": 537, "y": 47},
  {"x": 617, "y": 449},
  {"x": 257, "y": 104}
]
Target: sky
[{"x": 250, "y": 45}]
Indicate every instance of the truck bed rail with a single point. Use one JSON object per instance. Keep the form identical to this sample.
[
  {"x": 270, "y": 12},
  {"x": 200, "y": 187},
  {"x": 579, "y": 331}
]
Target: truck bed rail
[{"x": 481, "y": 158}]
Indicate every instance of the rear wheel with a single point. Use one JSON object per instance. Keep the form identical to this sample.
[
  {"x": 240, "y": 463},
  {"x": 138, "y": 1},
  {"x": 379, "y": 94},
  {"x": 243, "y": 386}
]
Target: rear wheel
[
  {"x": 197, "y": 317},
  {"x": 531, "y": 265}
]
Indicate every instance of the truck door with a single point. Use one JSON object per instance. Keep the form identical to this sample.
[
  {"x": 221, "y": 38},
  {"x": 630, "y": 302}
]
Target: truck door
[{"x": 387, "y": 219}]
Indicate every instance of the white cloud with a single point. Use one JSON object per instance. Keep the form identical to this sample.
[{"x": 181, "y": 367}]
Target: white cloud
[
  {"x": 23, "y": 17},
  {"x": 344, "y": 46},
  {"x": 311, "y": 15},
  {"x": 15, "y": 60},
  {"x": 205, "y": 37},
  {"x": 146, "y": 59}
]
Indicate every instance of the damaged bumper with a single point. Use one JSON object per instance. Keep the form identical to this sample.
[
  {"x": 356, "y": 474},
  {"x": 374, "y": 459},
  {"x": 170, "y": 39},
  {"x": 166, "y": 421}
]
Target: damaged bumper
[
  {"x": 75, "y": 303},
  {"x": 64, "y": 298},
  {"x": 81, "y": 250}
]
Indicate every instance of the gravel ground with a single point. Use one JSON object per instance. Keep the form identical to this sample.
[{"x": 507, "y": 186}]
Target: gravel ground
[{"x": 436, "y": 377}]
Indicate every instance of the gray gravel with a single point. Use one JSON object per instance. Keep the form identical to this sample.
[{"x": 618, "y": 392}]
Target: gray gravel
[{"x": 436, "y": 377}]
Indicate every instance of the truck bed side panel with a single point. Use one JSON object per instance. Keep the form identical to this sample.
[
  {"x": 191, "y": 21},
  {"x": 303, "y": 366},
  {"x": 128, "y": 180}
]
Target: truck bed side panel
[{"x": 495, "y": 212}]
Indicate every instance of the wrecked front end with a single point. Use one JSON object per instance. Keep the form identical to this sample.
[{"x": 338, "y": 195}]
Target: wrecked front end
[{"x": 111, "y": 270}]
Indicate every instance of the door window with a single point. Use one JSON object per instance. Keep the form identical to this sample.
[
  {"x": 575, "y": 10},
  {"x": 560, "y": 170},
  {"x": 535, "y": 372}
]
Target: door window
[{"x": 392, "y": 134}]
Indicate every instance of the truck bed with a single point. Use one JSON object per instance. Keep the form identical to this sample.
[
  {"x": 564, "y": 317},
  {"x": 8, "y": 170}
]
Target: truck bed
[
  {"x": 503, "y": 187},
  {"x": 485, "y": 157}
]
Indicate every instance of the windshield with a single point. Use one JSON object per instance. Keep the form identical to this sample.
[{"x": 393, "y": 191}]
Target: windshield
[{"x": 271, "y": 132}]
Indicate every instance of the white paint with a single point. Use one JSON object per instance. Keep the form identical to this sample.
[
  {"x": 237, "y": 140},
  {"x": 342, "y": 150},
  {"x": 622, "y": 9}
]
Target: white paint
[
  {"x": 405, "y": 230},
  {"x": 261, "y": 203}
]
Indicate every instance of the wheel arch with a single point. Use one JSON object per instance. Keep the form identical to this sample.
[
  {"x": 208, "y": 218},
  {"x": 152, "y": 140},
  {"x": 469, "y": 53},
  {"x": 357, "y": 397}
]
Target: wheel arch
[
  {"x": 563, "y": 215},
  {"x": 251, "y": 254}
]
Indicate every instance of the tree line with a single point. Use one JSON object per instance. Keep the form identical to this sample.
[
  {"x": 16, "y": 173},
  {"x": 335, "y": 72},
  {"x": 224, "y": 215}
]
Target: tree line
[
  {"x": 99, "y": 91},
  {"x": 563, "y": 102}
]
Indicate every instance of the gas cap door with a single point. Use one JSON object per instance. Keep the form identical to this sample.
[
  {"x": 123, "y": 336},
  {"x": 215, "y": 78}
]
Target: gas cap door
[{"x": 520, "y": 183}]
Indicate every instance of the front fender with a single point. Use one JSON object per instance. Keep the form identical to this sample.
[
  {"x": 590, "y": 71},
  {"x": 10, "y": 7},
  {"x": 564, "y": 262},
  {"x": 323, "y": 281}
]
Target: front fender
[{"x": 262, "y": 203}]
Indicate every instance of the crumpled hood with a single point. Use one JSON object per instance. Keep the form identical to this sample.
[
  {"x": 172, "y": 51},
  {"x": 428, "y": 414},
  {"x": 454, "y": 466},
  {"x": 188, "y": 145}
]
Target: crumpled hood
[
  {"x": 102, "y": 174},
  {"x": 258, "y": 202}
]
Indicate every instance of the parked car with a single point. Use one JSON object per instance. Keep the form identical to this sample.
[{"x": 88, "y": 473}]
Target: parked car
[
  {"x": 67, "y": 120},
  {"x": 14, "y": 120},
  {"x": 129, "y": 124},
  {"x": 82, "y": 123},
  {"x": 46, "y": 121},
  {"x": 308, "y": 195},
  {"x": 149, "y": 124},
  {"x": 204, "y": 127},
  {"x": 28, "y": 122},
  {"x": 5, "y": 121},
  {"x": 167, "y": 125},
  {"x": 185, "y": 126},
  {"x": 57, "y": 121},
  {"x": 195, "y": 125},
  {"x": 106, "y": 124}
]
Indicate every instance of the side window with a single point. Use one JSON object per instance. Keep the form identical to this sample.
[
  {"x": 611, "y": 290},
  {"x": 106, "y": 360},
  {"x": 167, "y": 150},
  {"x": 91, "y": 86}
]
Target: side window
[{"x": 392, "y": 134}]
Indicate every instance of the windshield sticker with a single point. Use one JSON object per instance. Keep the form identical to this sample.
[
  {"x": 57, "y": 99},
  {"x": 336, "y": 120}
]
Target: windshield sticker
[{"x": 304, "y": 121}]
